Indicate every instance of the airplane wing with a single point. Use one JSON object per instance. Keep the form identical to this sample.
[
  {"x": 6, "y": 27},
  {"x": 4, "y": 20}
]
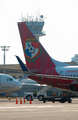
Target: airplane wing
[
  {"x": 56, "y": 76},
  {"x": 43, "y": 85},
  {"x": 75, "y": 79}
]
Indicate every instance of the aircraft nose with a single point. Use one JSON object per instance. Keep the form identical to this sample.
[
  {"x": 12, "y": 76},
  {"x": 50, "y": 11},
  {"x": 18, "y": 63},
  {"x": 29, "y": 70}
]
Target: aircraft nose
[{"x": 18, "y": 85}]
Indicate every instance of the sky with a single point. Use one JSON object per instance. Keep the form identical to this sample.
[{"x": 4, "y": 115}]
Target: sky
[{"x": 61, "y": 27}]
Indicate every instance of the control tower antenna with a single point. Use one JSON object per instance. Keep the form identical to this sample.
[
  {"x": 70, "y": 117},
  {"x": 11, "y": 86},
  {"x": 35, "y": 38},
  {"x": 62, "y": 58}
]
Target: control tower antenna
[{"x": 39, "y": 13}]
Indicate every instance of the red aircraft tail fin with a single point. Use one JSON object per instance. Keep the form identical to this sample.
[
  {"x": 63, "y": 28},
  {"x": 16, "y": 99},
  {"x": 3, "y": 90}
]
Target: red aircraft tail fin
[{"x": 35, "y": 55}]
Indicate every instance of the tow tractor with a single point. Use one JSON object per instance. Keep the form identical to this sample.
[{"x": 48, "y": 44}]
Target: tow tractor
[
  {"x": 40, "y": 95},
  {"x": 32, "y": 96},
  {"x": 62, "y": 99}
]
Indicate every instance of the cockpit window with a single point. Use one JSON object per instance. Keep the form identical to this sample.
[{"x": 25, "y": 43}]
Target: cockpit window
[{"x": 9, "y": 79}]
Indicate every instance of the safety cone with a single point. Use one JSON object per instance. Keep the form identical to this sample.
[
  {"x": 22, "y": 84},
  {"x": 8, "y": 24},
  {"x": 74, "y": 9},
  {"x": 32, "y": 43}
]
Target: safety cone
[
  {"x": 30, "y": 101},
  {"x": 16, "y": 101},
  {"x": 20, "y": 100},
  {"x": 24, "y": 100}
]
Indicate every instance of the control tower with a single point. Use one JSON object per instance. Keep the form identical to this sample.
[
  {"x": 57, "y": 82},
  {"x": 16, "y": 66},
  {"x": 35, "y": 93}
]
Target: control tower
[{"x": 36, "y": 25}]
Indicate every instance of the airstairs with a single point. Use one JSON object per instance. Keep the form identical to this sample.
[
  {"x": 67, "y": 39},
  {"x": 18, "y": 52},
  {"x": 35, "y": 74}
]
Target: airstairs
[{"x": 44, "y": 89}]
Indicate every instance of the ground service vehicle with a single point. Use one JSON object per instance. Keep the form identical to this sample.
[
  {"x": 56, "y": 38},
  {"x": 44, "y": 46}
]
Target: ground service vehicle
[
  {"x": 61, "y": 99},
  {"x": 32, "y": 96}
]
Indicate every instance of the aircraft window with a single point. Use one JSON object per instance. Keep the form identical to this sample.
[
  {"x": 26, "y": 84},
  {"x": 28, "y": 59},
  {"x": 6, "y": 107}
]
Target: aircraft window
[{"x": 9, "y": 79}]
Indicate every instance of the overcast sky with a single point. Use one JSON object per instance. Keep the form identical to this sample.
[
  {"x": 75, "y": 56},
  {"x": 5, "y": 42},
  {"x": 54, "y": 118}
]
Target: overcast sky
[{"x": 61, "y": 26}]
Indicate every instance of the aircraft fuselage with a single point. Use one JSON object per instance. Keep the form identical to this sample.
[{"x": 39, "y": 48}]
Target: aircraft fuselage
[
  {"x": 64, "y": 84},
  {"x": 8, "y": 84}
]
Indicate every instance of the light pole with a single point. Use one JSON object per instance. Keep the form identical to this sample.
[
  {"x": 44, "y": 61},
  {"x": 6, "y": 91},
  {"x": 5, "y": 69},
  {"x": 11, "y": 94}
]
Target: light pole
[{"x": 5, "y": 48}]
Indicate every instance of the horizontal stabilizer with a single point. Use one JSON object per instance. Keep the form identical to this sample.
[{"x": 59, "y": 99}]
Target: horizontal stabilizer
[{"x": 24, "y": 77}]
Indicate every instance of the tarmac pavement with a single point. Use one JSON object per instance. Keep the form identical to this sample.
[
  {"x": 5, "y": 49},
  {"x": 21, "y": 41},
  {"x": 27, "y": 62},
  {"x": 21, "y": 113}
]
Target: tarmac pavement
[{"x": 38, "y": 110}]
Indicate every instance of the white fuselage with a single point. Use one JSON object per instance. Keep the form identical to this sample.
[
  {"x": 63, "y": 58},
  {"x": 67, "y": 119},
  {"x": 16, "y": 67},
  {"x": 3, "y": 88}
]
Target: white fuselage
[
  {"x": 8, "y": 84},
  {"x": 68, "y": 71}
]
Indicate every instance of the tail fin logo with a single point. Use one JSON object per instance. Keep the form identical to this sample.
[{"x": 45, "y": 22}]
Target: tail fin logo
[{"x": 32, "y": 50}]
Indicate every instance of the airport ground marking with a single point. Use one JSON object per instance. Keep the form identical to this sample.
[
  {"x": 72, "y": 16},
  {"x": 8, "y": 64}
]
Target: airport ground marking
[{"x": 29, "y": 107}]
